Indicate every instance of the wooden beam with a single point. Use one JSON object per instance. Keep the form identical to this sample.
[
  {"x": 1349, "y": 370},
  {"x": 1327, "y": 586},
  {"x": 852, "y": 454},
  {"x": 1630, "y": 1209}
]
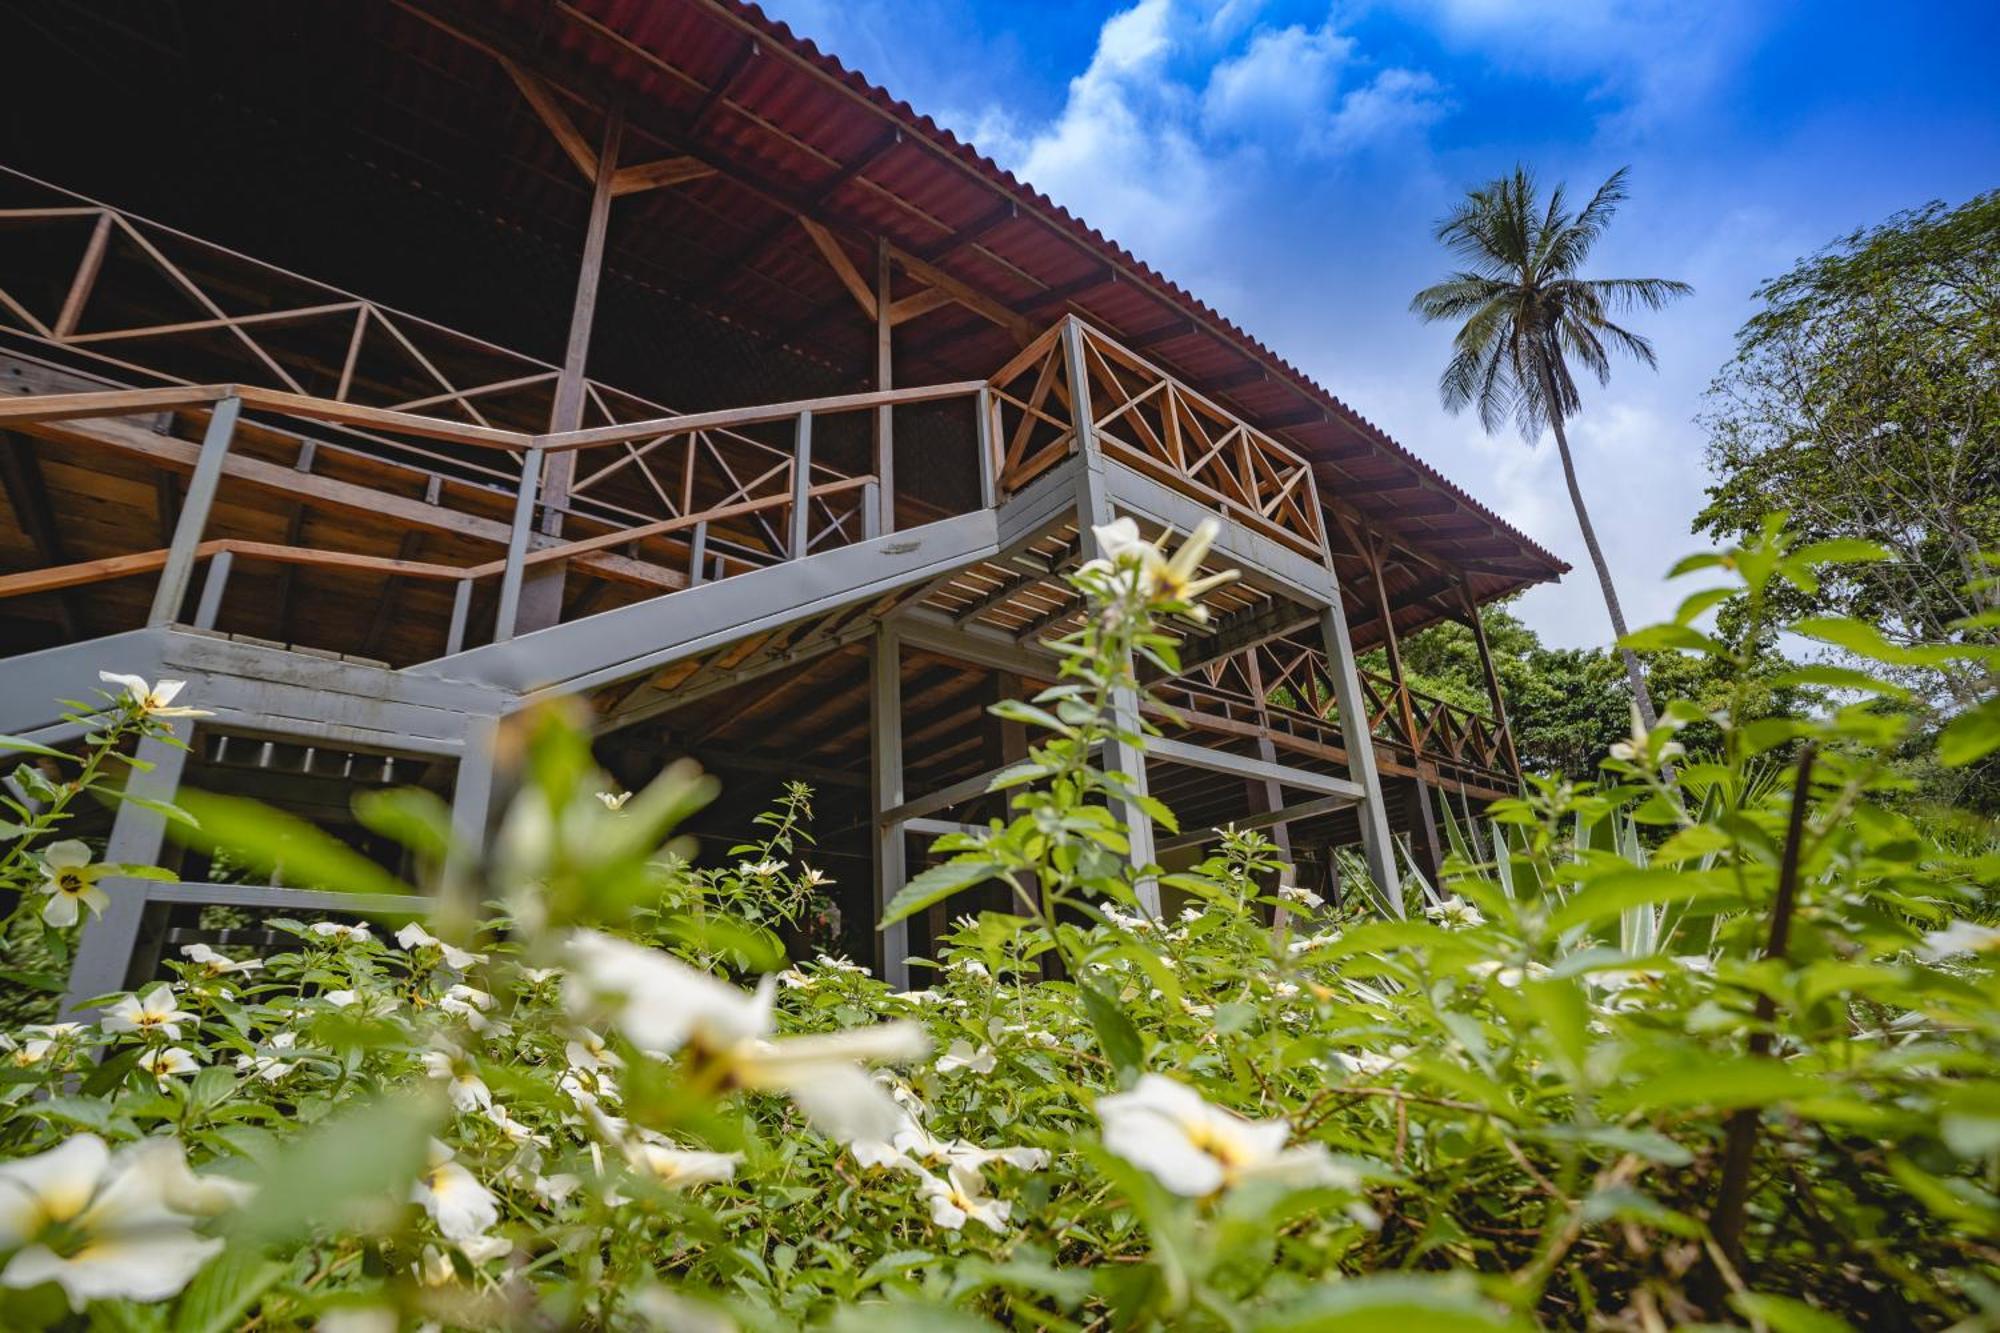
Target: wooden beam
[
  {"x": 966, "y": 295},
  {"x": 842, "y": 266},
  {"x": 21, "y": 473},
  {"x": 543, "y": 100},
  {"x": 106, "y": 403},
  {"x": 918, "y": 303},
  {"x": 652, "y": 175}
]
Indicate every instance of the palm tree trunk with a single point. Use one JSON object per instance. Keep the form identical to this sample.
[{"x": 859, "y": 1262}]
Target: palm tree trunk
[{"x": 1640, "y": 697}]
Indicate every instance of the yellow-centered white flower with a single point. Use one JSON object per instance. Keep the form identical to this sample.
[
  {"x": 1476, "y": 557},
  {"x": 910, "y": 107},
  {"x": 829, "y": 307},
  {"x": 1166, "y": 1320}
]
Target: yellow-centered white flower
[
  {"x": 153, "y": 700},
  {"x": 157, "y": 1015},
  {"x": 1158, "y": 576},
  {"x": 961, "y": 1197},
  {"x": 104, "y": 1225},
  {"x": 461, "y": 1206},
  {"x": 70, "y": 880},
  {"x": 664, "y": 1006},
  {"x": 1195, "y": 1148}
]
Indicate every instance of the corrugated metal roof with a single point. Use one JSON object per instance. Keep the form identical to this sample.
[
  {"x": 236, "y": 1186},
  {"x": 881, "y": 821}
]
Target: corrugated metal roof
[{"x": 795, "y": 113}]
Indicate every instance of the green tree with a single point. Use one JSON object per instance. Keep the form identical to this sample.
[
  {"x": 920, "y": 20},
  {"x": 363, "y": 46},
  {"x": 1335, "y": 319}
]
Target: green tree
[
  {"x": 1525, "y": 314},
  {"x": 1864, "y": 399}
]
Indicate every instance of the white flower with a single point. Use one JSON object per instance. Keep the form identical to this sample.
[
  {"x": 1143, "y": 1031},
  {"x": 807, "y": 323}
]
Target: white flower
[
  {"x": 341, "y": 932},
  {"x": 552, "y": 1190},
  {"x": 793, "y": 979},
  {"x": 153, "y": 700},
  {"x": 458, "y": 1203},
  {"x": 1033, "y": 1036},
  {"x": 269, "y": 1068},
  {"x": 1157, "y": 576},
  {"x": 25, "y": 1054},
  {"x": 841, "y": 965},
  {"x": 960, "y": 1055},
  {"x": 664, "y": 1006},
  {"x": 1960, "y": 937},
  {"x": 917, "y": 996},
  {"x": 535, "y": 976},
  {"x": 157, "y": 1014},
  {"x": 467, "y": 1090},
  {"x": 515, "y": 1131},
  {"x": 587, "y": 1050},
  {"x": 1455, "y": 913},
  {"x": 1194, "y": 1148},
  {"x": 485, "y": 1249},
  {"x": 960, "y": 1197},
  {"x": 340, "y": 999},
  {"x": 765, "y": 869},
  {"x": 812, "y": 877},
  {"x": 469, "y": 1003},
  {"x": 1365, "y": 1062},
  {"x": 1304, "y": 897},
  {"x": 70, "y": 881},
  {"x": 614, "y": 800},
  {"x": 215, "y": 964},
  {"x": 101, "y": 1225},
  {"x": 164, "y": 1062},
  {"x": 677, "y": 1167},
  {"x": 414, "y": 936}
]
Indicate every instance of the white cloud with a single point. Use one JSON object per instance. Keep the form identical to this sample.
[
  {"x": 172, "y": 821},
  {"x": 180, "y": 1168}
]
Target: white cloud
[
  {"x": 1649, "y": 59},
  {"x": 1185, "y": 119}
]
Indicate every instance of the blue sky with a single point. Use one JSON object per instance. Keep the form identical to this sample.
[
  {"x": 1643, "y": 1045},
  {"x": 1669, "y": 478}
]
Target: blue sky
[{"x": 1286, "y": 160}]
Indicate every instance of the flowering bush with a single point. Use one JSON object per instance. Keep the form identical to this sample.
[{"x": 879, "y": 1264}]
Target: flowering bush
[{"x": 1716, "y": 1040}]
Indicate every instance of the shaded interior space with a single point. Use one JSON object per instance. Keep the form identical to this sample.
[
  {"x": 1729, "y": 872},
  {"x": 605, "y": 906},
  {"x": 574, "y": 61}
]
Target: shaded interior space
[{"x": 315, "y": 783}]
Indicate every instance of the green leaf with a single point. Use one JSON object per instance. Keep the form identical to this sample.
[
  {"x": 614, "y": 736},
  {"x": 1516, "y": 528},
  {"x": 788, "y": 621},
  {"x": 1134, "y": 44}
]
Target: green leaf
[
  {"x": 1607, "y": 895},
  {"x": 269, "y": 840},
  {"x": 415, "y": 818},
  {"x": 1971, "y": 736},
  {"x": 1840, "y": 678},
  {"x": 906, "y": 1317},
  {"x": 225, "y": 1290},
  {"x": 1842, "y": 551},
  {"x": 1721, "y": 1085},
  {"x": 368, "y": 1153},
  {"x": 1381, "y": 1301},
  {"x": 1785, "y": 1315},
  {"x": 16, "y": 745},
  {"x": 1120, "y": 1041},
  {"x": 167, "y": 810},
  {"x": 1864, "y": 640},
  {"x": 1656, "y": 637},
  {"x": 938, "y": 883}
]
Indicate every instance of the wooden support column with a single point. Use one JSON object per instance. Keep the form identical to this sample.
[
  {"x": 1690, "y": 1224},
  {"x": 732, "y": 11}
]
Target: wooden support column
[
  {"x": 21, "y": 475},
  {"x": 1093, "y": 506},
  {"x": 178, "y": 572},
  {"x": 513, "y": 576},
  {"x": 104, "y": 955},
  {"x": 885, "y": 734},
  {"x": 1493, "y": 695},
  {"x": 541, "y": 600},
  {"x": 1394, "y": 648},
  {"x": 885, "y": 416},
  {"x": 1266, "y": 795}
]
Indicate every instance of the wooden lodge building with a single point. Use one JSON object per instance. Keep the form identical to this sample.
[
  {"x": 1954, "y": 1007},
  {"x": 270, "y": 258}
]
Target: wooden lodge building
[{"x": 384, "y": 367}]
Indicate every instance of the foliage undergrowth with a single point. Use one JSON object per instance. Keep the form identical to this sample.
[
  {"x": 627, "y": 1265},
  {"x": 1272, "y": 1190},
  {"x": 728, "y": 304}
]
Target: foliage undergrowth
[{"x": 1714, "y": 1041}]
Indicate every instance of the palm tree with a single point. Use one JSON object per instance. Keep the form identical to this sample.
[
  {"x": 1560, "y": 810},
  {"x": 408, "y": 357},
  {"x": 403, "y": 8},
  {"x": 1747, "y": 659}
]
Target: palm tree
[{"x": 1526, "y": 315}]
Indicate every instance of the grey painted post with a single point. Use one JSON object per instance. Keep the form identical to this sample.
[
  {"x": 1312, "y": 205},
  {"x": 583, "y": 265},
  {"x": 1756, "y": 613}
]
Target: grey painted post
[
  {"x": 1376, "y": 846},
  {"x": 871, "y": 513},
  {"x": 983, "y": 433},
  {"x": 885, "y": 706},
  {"x": 698, "y": 554},
  {"x": 461, "y": 610},
  {"x": 471, "y": 810},
  {"x": 178, "y": 572},
  {"x": 517, "y": 546},
  {"x": 802, "y": 459},
  {"x": 209, "y": 608},
  {"x": 1093, "y": 506},
  {"x": 104, "y": 954}
]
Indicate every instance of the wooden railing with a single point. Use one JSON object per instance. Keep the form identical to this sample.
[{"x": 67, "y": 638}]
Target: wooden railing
[
  {"x": 1289, "y": 679},
  {"x": 136, "y": 298},
  {"x": 797, "y": 514},
  {"x": 1145, "y": 418}
]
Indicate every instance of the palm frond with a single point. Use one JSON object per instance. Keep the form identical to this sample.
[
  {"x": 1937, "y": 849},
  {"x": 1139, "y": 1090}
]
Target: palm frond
[{"x": 1622, "y": 294}]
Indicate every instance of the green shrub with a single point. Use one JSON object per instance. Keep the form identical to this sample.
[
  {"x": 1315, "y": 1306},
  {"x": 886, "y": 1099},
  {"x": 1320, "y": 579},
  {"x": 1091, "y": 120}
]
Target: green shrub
[{"x": 1708, "y": 1042}]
